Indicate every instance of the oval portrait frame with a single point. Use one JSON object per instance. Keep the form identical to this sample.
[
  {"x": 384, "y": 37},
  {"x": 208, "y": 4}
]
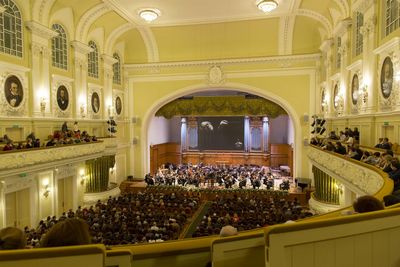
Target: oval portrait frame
[
  {"x": 13, "y": 100},
  {"x": 355, "y": 89},
  {"x": 62, "y": 102},
  {"x": 387, "y": 77},
  {"x": 95, "y": 107},
  {"x": 118, "y": 105}
]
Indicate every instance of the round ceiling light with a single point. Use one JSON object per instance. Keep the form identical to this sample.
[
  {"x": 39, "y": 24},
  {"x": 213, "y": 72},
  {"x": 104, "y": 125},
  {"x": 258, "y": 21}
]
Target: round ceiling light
[
  {"x": 149, "y": 14},
  {"x": 267, "y": 5}
]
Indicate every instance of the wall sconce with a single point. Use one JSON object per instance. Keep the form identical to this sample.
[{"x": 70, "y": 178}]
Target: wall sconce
[
  {"x": 46, "y": 187},
  {"x": 82, "y": 110},
  {"x": 82, "y": 176},
  {"x": 42, "y": 105},
  {"x": 364, "y": 93},
  {"x": 110, "y": 109},
  {"x": 112, "y": 170}
]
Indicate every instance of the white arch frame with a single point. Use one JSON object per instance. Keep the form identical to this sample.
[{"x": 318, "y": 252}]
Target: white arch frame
[{"x": 295, "y": 118}]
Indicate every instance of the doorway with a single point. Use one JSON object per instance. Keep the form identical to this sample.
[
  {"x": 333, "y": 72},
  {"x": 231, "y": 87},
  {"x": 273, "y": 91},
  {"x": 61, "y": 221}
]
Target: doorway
[{"x": 18, "y": 209}]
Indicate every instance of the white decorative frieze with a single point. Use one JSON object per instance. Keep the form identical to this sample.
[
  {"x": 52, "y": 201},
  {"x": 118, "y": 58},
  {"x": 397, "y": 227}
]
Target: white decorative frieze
[
  {"x": 358, "y": 178},
  {"x": 40, "y": 30},
  {"x": 215, "y": 75},
  {"x": 20, "y": 159}
]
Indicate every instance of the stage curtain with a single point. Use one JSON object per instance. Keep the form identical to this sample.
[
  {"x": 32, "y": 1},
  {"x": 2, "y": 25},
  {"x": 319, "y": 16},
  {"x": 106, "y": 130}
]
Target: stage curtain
[
  {"x": 97, "y": 171},
  {"x": 221, "y": 106}
]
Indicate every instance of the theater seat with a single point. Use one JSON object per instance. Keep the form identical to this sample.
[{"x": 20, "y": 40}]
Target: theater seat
[{"x": 72, "y": 256}]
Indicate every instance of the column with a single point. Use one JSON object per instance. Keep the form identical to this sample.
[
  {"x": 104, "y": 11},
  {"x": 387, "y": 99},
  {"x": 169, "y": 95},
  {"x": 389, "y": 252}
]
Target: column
[
  {"x": 246, "y": 133},
  {"x": 108, "y": 61},
  {"x": 369, "y": 79},
  {"x": 2, "y": 205},
  {"x": 81, "y": 51},
  {"x": 183, "y": 135},
  {"x": 41, "y": 88},
  {"x": 265, "y": 134}
]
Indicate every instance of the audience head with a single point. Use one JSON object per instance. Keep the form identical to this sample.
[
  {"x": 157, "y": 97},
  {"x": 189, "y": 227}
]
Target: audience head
[
  {"x": 389, "y": 152},
  {"x": 367, "y": 204},
  {"x": 12, "y": 238},
  {"x": 69, "y": 232},
  {"x": 228, "y": 230}
]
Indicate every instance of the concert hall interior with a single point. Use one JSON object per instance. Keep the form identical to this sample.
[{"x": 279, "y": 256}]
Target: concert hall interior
[{"x": 199, "y": 133}]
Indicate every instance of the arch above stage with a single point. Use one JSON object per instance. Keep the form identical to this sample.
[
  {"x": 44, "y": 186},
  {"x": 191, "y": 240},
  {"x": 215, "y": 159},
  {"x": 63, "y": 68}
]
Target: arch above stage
[{"x": 294, "y": 117}]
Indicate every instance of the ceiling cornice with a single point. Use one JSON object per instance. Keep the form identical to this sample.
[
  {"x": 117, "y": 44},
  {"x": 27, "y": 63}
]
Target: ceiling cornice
[{"x": 197, "y": 63}]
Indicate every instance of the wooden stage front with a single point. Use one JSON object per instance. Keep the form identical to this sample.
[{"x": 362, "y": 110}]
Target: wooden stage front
[{"x": 226, "y": 158}]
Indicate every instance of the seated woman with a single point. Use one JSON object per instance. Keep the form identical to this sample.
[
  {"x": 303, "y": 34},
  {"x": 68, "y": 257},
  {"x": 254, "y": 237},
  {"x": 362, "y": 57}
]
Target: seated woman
[
  {"x": 69, "y": 232},
  {"x": 12, "y": 238}
]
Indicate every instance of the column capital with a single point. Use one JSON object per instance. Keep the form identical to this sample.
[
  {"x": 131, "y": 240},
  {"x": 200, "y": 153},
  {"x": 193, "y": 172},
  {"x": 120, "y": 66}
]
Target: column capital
[
  {"x": 81, "y": 48},
  {"x": 40, "y": 30}
]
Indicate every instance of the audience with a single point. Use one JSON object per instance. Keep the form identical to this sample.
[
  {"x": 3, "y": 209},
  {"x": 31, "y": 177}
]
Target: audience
[
  {"x": 12, "y": 238},
  {"x": 367, "y": 204},
  {"x": 69, "y": 232}
]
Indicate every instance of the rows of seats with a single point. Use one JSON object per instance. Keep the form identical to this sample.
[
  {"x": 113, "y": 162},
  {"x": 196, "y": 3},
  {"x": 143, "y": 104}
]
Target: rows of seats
[{"x": 368, "y": 239}]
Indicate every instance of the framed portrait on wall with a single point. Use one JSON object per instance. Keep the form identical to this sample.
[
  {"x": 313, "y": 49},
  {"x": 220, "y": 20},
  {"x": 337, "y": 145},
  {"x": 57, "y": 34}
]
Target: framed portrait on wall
[
  {"x": 355, "y": 85},
  {"x": 62, "y": 97},
  {"x": 387, "y": 77},
  {"x": 118, "y": 105},
  {"x": 13, "y": 91},
  {"x": 95, "y": 102}
]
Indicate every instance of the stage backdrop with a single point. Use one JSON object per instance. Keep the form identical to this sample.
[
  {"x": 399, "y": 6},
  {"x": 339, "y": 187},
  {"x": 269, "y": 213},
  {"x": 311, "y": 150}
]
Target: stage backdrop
[{"x": 221, "y": 133}]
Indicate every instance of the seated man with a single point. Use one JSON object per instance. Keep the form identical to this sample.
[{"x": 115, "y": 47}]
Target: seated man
[
  {"x": 385, "y": 144},
  {"x": 379, "y": 144}
]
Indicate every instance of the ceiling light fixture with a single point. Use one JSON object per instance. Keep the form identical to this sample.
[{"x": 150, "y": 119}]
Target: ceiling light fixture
[
  {"x": 267, "y": 5},
  {"x": 149, "y": 14}
]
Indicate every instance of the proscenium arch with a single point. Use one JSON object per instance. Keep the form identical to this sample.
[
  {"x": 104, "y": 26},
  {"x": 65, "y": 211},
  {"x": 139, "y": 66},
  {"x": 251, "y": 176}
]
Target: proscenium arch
[{"x": 229, "y": 87}]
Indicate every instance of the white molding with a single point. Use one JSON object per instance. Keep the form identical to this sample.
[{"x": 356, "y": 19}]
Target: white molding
[
  {"x": 342, "y": 26},
  {"x": 321, "y": 208},
  {"x": 335, "y": 77},
  {"x": 30, "y": 160},
  {"x": 394, "y": 43},
  {"x": 88, "y": 19},
  {"x": 356, "y": 65},
  {"x": 344, "y": 7},
  {"x": 13, "y": 67},
  {"x": 227, "y": 75},
  {"x": 362, "y": 5},
  {"x": 81, "y": 47},
  {"x": 149, "y": 39},
  {"x": 219, "y": 62},
  {"x": 318, "y": 17},
  {"x": 92, "y": 198},
  {"x": 326, "y": 45},
  {"x": 95, "y": 86},
  {"x": 40, "y": 30},
  {"x": 357, "y": 178},
  {"x": 58, "y": 77},
  {"x": 114, "y": 35},
  {"x": 108, "y": 60}
]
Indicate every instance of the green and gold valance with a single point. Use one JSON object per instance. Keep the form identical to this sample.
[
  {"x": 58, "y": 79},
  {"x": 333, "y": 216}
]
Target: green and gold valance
[
  {"x": 221, "y": 106},
  {"x": 98, "y": 173}
]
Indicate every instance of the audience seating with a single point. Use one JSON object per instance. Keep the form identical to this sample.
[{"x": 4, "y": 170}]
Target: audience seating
[
  {"x": 368, "y": 239},
  {"x": 73, "y": 256},
  {"x": 119, "y": 258},
  {"x": 247, "y": 249}
]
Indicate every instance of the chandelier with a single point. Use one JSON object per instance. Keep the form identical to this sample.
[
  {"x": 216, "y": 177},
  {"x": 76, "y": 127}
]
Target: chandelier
[
  {"x": 149, "y": 14},
  {"x": 267, "y": 5}
]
